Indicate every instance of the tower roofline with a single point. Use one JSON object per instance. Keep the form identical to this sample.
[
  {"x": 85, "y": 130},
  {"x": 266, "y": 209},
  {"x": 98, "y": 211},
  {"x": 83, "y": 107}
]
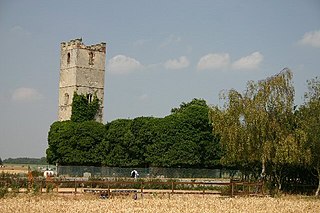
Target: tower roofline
[{"x": 78, "y": 44}]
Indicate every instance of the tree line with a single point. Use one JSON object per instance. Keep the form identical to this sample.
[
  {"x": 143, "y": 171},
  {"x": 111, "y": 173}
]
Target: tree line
[
  {"x": 258, "y": 131},
  {"x": 25, "y": 160},
  {"x": 182, "y": 139}
]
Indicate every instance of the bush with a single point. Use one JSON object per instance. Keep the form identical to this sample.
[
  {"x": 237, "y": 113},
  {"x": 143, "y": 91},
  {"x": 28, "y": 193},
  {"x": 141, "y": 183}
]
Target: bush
[
  {"x": 36, "y": 187},
  {"x": 3, "y": 191}
]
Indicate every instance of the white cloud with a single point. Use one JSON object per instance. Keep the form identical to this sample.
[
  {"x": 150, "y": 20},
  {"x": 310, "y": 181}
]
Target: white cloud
[
  {"x": 249, "y": 62},
  {"x": 26, "y": 94},
  {"x": 214, "y": 61},
  {"x": 121, "y": 64},
  {"x": 175, "y": 64},
  {"x": 311, "y": 39}
]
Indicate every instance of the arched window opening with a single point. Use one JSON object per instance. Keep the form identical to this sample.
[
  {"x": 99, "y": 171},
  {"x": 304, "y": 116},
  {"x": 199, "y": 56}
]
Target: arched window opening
[
  {"x": 66, "y": 99},
  {"x": 89, "y": 98},
  {"x": 68, "y": 58},
  {"x": 91, "y": 58}
]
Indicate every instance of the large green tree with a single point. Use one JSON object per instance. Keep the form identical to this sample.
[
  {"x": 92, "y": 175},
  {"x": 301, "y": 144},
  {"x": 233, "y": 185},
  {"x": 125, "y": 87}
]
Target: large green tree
[
  {"x": 117, "y": 139},
  {"x": 75, "y": 143},
  {"x": 184, "y": 138}
]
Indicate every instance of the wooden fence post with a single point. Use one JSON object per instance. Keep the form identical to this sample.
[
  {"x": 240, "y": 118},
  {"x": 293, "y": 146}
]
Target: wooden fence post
[
  {"x": 75, "y": 187},
  {"x": 232, "y": 189},
  {"x": 108, "y": 190},
  {"x": 141, "y": 188},
  {"x": 57, "y": 186},
  {"x": 172, "y": 187}
]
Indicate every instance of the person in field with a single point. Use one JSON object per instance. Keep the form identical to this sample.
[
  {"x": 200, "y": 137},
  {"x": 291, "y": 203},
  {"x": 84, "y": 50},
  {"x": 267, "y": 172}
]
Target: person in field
[{"x": 134, "y": 174}]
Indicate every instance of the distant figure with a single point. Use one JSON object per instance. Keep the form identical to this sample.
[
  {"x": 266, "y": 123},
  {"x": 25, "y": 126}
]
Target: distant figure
[
  {"x": 134, "y": 174},
  {"x": 48, "y": 173}
]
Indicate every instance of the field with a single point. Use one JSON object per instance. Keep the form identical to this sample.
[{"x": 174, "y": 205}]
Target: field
[
  {"x": 14, "y": 169},
  {"x": 156, "y": 203},
  {"x": 153, "y": 203}
]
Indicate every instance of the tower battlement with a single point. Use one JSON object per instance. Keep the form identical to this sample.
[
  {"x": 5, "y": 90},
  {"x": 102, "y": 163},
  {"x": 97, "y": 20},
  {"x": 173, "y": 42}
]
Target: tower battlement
[{"x": 77, "y": 43}]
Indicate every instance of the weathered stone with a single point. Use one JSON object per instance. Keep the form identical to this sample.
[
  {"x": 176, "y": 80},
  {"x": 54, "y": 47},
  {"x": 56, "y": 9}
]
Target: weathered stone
[{"x": 82, "y": 70}]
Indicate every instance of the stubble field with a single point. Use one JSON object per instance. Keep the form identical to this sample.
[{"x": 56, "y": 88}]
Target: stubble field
[{"x": 156, "y": 203}]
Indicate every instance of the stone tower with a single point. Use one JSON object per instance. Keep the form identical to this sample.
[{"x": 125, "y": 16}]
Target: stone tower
[{"x": 82, "y": 71}]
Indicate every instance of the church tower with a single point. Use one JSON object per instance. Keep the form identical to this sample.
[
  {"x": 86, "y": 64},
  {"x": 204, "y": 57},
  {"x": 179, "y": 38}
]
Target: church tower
[{"x": 82, "y": 70}]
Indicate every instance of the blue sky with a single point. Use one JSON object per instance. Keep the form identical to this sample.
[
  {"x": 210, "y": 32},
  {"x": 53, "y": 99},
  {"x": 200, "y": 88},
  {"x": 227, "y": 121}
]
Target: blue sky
[{"x": 159, "y": 54}]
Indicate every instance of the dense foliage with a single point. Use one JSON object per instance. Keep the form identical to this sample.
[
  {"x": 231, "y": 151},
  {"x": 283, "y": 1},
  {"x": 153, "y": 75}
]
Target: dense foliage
[
  {"x": 266, "y": 136},
  {"x": 75, "y": 143},
  {"x": 182, "y": 139},
  {"x": 82, "y": 109},
  {"x": 309, "y": 117}
]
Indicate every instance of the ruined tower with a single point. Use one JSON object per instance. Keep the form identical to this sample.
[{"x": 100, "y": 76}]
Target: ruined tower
[{"x": 82, "y": 71}]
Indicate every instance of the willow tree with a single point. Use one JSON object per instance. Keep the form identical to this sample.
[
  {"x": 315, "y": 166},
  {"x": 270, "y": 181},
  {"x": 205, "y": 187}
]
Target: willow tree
[
  {"x": 310, "y": 117},
  {"x": 227, "y": 125},
  {"x": 256, "y": 126},
  {"x": 272, "y": 122}
]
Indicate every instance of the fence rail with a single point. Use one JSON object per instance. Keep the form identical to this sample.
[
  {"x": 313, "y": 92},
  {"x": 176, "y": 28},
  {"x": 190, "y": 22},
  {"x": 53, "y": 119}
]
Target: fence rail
[{"x": 143, "y": 187}]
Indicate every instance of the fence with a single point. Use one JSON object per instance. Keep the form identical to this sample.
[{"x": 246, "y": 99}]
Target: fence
[
  {"x": 143, "y": 187},
  {"x": 151, "y": 172}
]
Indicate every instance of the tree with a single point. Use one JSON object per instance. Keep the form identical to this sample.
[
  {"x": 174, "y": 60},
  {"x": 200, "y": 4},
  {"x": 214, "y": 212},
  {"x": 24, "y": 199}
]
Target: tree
[
  {"x": 118, "y": 138},
  {"x": 142, "y": 129},
  {"x": 1, "y": 163},
  {"x": 182, "y": 138},
  {"x": 59, "y": 140},
  {"x": 257, "y": 126},
  {"x": 127, "y": 140},
  {"x": 75, "y": 143},
  {"x": 195, "y": 117},
  {"x": 310, "y": 117}
]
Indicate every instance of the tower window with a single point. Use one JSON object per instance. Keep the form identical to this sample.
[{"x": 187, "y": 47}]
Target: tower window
[
  {"x": 68, "y": 58},
  {"x": 89, "y": 98},
  {"x": 66, "y": 99},
  {"x": 91, "y": 58}
]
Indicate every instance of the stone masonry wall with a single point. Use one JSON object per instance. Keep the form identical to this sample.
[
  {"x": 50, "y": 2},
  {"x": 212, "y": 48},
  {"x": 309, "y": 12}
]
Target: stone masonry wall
[{"x": 82, "y": 70}]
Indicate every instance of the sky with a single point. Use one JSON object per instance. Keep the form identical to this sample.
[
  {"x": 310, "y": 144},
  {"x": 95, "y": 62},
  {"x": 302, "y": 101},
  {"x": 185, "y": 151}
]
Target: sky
[{"x": 159, "y": 54}]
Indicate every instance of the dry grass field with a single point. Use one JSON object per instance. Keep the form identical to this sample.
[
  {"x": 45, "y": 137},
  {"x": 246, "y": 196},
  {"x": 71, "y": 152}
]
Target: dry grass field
[
  {"x": 14, "y": 169},
  {"x": 160, "y": 203}
]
